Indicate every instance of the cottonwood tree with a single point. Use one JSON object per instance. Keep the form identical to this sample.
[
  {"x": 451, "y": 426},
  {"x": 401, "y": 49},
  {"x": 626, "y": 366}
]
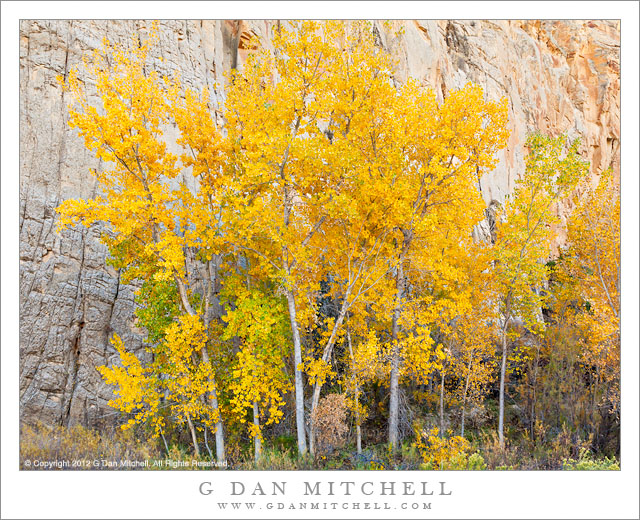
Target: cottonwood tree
[
  {"x": 587, "y": 290},
  {"x": 298, "y": 119},
  {"x": 259, "y": 380},
  {"x": 327, "y": 171},
  {"x": 364, "y": 364},
  {"x": 441, "y": 151},
  {"x": 525, "y": 234},
  {"x": 158, "y": 230},
  {"x": 463, "y": 319},
  {"x": 336, "y": 169},
  {"x": 278, "y": 174},
  {"x": 472, "y": 350},
  {"x": 353, "y": 246}
]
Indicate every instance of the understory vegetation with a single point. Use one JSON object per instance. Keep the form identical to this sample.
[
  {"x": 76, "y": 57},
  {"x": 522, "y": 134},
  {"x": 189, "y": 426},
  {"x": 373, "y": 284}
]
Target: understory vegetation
[
  {"x": 114, "y": 451},
  {"x": 321, "y": 282}
]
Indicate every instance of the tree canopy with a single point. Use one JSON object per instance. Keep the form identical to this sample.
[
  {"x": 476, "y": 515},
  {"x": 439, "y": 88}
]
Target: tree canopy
[{"x": 316, "y": 238}]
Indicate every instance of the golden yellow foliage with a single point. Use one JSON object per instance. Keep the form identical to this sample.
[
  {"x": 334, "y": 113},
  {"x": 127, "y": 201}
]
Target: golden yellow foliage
[
  {"x": 439, "y": 452},
  {"x": 335, "y": 208}
]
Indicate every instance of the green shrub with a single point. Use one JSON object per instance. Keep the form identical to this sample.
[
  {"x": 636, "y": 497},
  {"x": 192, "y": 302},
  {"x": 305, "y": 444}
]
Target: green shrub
[
  {"x": 586, "y": 462},
  {"x": 476, "y": 462}
]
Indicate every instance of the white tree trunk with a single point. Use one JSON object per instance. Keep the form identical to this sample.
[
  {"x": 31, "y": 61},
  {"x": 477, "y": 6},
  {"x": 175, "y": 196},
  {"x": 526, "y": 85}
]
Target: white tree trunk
[
  {"x": 297, "y": 359},
  {"x": 220, "y": 452},
  {"x": 464, "y": 397},
  {"x": 194, "y": 437},
  {"x": 503, "y": 372},
  {"x": 257, "y": 442},
  {"x": 395, "y": 358},
  {"x": 442, "y": 403},
  {"x": 356, "y": 397}
]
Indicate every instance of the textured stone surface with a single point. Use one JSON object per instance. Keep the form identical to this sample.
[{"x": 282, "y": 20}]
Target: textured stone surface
[{"x": 558, "y": 77}]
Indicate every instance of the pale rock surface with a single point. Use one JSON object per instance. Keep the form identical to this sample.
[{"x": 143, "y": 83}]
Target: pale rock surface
[{"x": 557, "y": 76}]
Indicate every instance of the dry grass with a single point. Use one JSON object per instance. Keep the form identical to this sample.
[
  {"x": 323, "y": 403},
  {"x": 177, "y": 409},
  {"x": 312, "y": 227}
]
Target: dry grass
[
  {"x": 77, "y": 448},
  {"x": 56, "y": 447}
]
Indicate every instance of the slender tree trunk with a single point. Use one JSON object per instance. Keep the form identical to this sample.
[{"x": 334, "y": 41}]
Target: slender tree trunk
[
  {"x": 164, "y": 440},
  {"x": 356, "y": 398},
  {"x": 535, "y": 392},
  {"x": 220, "y": 451},
  {"x": 312, "y": 432},
  {"x": 287, "y": 204},
  {"x": 206, "y": 442},
  {"x": 463, "y": 415},
  {"x": 395, "y": 358},
  {"x": 442, "y": 376},
  {"x": 219, "y": 435},
  {"x": 194, "y": 437},
  {"x": 503, "y": 371},
  {"x": 326, "y": 355},
  {"x": 257, "y": 441},
  {"x": 393, "y": 398},
  {"x": 297, "y": 359},
  {"x": 464, "y": 396},
  {"x": 595, "y": 394}
]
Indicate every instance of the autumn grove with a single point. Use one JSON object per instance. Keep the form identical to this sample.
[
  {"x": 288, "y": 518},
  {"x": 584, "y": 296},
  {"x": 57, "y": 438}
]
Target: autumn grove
[{"x": 322, "y": 295}]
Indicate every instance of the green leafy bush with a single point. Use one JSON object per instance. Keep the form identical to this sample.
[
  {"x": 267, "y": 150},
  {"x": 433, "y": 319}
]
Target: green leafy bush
[{"x": 586, "y": 462}]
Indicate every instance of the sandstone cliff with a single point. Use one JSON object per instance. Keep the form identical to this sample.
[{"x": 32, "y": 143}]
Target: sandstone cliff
[{"x": 558, "y": 77}]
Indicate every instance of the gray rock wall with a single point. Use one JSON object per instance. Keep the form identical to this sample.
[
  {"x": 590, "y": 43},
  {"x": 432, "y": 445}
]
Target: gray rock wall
[{"x": 558, "y": 77}]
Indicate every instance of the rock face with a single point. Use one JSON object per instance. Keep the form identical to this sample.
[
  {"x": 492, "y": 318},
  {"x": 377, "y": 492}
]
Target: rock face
[{"x": 558, "y": 77}]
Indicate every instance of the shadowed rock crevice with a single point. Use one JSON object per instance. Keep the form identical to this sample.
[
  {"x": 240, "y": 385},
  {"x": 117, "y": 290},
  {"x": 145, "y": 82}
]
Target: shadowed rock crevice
[{"x": 74, "y": 353}]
